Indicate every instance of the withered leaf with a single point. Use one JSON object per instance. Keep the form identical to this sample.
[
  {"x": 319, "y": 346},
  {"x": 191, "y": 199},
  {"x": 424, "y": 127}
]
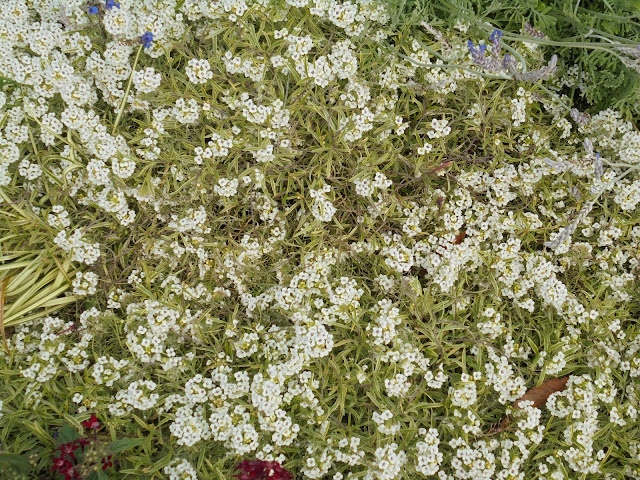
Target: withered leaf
[
  {"x": 460, "y": 237},
  {"x": 538, "y": 395}
]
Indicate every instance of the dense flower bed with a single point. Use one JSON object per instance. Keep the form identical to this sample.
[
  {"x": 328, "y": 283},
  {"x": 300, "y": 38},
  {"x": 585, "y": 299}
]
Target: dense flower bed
[{"x": 283, "y": 239}]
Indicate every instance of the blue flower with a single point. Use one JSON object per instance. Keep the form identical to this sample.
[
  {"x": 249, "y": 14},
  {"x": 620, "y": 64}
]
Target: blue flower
[
  {"x": 495, "y": 35},
  {"x": 92, "y": 10},
  {"x": 111, "y": 3},
  {"x": 146, "y": 39}
]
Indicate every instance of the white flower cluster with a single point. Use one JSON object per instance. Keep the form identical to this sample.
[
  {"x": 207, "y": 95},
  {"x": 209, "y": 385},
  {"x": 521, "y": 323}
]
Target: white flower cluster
[
  {"x": 438, "y": 380},
  {"x": 9, "y": 154},
  {"x": 251, "y": 68},
  {"x": 428, "y": 455},
  {"x": 322, "y": 208},
  {"x": 367, "y": 186},
  {"x": 59, "y": 219},
  {"x": 397, "y": 386},
  {"x": 194, "y": 221},
  {"x": 382, "y": 420},
  {"x": 217, "y": 146},
  {"x": 190, "y": 425},
  {"x": 226, "y": 187},
  {"x": 186, "y": 111},
  {"x": 353, "y": 456},
  {"x": 154, "y": 331},
  {"x": 500, "y": 373},
  {"x": 199, "y": 71},
  {"x": 50, "y": 350},
  {"x": 80, "y": 250},
  {"x": 180, "y": 469},
  {"x": 107, "y": 371},
  {"x": 465, "y": 393},
  {"x": 137, "y": 396},
  {"x": 493, "y": 327},
  {"x": 317, "y": 466},
  {"x": 519, "y": 106},
  {"x": 389, "y": 462},
  {"x": 578, "y": 402},
  {"x": 147, "y": 80},
  {"x": 439, "y": 128},
  {"x": 396, "y": 254},
  {"x": 85, "y": 283},
  {"x": 387, "y": 318}
]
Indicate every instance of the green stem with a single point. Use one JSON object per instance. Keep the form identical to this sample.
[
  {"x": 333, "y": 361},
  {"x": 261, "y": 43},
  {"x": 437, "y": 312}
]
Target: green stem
[
  {"x": 607, "y": 15},
  {"x": 610, "y": 35},
  {"x": 593, "y": 35},
  {"x": 542, "y": 41},
  {"x": 126, "y": 93}
]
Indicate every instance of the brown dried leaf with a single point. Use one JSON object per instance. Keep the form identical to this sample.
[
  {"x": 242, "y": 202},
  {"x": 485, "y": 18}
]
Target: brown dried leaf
[
  {"x": 538, "y": 395},
  {"x": 460, "y": 237}
]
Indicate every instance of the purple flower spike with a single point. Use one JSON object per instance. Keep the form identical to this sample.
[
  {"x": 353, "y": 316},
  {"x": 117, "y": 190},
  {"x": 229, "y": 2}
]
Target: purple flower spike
[
  {"x": 495, "y": 36},
  {"x": 92, "y": 10}
]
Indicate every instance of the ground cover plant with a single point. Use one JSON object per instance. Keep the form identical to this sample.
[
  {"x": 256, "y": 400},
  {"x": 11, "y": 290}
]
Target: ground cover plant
[
  {"x": 604, "y": 73},
  {"x": 297, "y": 239}
]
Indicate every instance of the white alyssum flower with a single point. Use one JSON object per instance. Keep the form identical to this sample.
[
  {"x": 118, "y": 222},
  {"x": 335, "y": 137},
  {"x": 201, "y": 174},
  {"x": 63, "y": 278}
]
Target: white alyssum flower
[
  {"x": 439, "y": 128},
  {"x": 199, "y": 71},
  {"x": 59, "y": 218},
  {"x": 85, "y": 283},
  {"x": 428, "y": 455},
  {"x": 389, "y": 462},
  {"x": 382, "y": 420},
  {"x": 147, "y": 80},
  {"x": 322, "y": 208},
  {"x": 180, "y": 469},
  {"x": 226, "y": 187}
]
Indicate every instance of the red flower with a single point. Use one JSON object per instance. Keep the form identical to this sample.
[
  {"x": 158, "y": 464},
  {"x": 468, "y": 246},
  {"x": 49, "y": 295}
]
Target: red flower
[
  {"x": 106, "y": 462},
  {"x": 92, "y": 423},
  {"x": 262, "y": 470},
  {"x": 66, "y": 449},
  {"x": 83, "y": 441},
  {"x": 69, "y": 473},
  {"x": 60, "y": 463}
]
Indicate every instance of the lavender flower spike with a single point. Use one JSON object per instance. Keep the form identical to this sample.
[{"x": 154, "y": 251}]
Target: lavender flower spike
[
  {"x": 598, "y": 169},
  {"x": 540, "y": 74},
  {"x": 507, "y": 64},
  {"x": 495, "y": 42}
]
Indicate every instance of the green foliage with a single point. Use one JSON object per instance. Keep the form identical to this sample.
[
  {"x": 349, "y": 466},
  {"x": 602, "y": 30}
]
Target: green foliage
[
  {"x": 124, "y": 444},
  {"x": 611, "y": 82},
  {"x": 67, "y": 434}
]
